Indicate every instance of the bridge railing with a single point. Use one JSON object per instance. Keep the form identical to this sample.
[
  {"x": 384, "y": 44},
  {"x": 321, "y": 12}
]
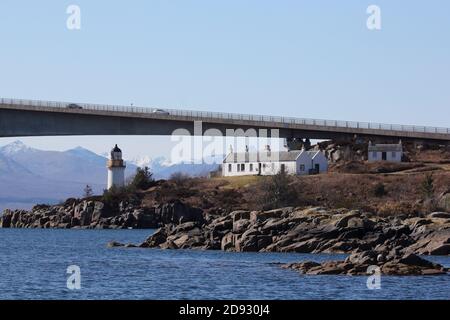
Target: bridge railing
[{"x": 205, "y": 115}]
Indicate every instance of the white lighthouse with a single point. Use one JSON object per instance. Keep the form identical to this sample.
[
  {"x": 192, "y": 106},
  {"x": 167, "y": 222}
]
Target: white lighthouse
[{"x": 116, "y": 169}]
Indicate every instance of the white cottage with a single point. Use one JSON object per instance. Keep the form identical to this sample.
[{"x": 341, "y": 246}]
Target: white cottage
[
  {"x": 385, "y": 152},
  {"x": 296, "y": 162}
]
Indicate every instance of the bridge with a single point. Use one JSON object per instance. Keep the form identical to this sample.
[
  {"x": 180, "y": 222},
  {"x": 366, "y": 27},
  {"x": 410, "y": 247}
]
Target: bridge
[{"x": 20, "y": 118}]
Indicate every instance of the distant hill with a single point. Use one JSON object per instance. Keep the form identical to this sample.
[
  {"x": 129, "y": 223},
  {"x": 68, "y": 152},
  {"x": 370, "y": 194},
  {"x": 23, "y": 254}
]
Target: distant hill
[{"x": 30, "y": 176}]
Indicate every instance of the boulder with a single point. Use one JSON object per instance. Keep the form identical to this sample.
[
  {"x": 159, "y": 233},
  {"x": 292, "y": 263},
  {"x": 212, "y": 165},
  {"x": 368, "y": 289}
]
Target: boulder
[
  {"x": 444, "y": 202},
  {"x": 420, "y": 222},
  {"x": 181, "y": 240},
  {"x": 240, "y": 214},
  {"x": 280, "y": 244},
  {"x": 185, "y": 227},
  {"x": 363, "y": 258},
  {"x": 222, "y": 224},
  {"x": 433, "y": 243},
  {"x": 227, "y": 243},
  {"x": 240, "y": 226},
  {"x": 247, "y": 244},
  {"x": 440, "y": 215},
  {"x": 358, "y": 263},
  {"x": 98, "y": 211},
  {"x": 306, "y": 246},
  {"x": 178, "y": 212},
  {"x": 156, "y": 239},
  {"x": 414, "y": 260},
  {"x": 343, "y": 221},
  {"x": 113, "y": 244},
  {"x": 85, "y": 218},
  {"x": 277, "y": 225},
  {"x": 260, "y": 216},
  {"x": 5, "y": 219}
]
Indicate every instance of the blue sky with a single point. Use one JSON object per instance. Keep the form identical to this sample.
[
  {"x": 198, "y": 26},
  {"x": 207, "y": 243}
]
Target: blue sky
[{"x": 313, "y": 59}]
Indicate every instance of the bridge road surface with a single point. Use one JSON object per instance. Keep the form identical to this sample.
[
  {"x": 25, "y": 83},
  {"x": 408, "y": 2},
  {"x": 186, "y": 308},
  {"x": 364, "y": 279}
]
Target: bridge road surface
[{"x": 20, "y": 118}]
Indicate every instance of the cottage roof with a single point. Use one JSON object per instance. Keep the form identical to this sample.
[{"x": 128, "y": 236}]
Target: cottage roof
[
  {"x": 385, "y": 147},
  {"x": 313, "y": 153},
  {"x": 265, "y": 156}
]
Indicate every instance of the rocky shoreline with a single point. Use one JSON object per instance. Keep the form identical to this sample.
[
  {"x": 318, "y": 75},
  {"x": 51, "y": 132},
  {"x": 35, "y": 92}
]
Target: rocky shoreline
[
  {"x": 89, "y": 214},
  {"x": 360, "y": 263},
  {"x": 310, "y": 230},
  {"x": 392, "y": 243}
]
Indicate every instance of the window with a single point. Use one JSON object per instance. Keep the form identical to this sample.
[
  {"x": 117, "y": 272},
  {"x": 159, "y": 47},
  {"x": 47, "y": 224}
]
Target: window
[
  {"x": 243, "y": 167},
  {"x": 251, "y": 166},
  {"x": 283, "y": 167},
  {"x": 302, "y": 167},
  {"x": 238, "y": 167},
  {"x": 230, "y": 167},
  {"x": 264, "y": 166}
]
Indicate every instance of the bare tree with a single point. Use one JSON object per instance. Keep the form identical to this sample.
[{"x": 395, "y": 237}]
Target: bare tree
[{"x": 88, "y": 192}]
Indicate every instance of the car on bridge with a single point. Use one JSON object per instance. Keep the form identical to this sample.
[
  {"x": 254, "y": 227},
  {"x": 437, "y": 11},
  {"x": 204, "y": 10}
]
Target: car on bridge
[
  {"x": 160, "y": 111},
  {"x": 74, "y": 106}
]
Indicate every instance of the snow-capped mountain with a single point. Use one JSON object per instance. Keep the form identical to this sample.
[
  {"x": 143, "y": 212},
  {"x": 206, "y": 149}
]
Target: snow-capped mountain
[
  {"x": 162, "y": 168},
  {"x": 155, "y": 164},
  {"x": 15, "y": 147}
]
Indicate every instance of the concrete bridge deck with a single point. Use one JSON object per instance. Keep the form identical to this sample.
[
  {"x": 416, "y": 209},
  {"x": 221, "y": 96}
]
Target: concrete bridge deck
[{"x": 46, "y": 118}]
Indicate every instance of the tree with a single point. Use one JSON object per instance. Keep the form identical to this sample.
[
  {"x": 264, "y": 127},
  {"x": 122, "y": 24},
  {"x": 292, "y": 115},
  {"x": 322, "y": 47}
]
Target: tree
[
  {"x": 143, "y": 179},
  {"x": 277, "y": 192},
  {"x": 427, "y": 186},
  {"x": 87, "y": 192}
]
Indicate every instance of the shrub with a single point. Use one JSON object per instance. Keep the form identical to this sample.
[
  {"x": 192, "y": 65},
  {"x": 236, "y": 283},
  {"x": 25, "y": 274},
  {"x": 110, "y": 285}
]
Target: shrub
[
  {"x": 114, "y": 196},
  {"x": 379, "y": 190},
  {"x": 276, "y": 192},
  {"x": 427, "y": 186},
  {"x": 179, "y": 178},
  {"x": 229, "y": 199}
]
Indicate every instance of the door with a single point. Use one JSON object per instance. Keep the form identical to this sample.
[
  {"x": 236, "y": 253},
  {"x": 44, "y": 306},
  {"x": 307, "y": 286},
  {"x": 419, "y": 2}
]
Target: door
[
  {"x": 317, "y": 168},
  {"x": 283, "y": 168},
  {"x": 259, "y": 168},
  {"x": 384, "y": 156}
]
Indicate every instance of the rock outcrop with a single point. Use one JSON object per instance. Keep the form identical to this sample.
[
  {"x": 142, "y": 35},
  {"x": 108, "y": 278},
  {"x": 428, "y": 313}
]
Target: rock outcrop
[
  {"x": 363, "y": 263},
  {"x": 96, "y": 215},
  {"x": 310, "y": 230}
]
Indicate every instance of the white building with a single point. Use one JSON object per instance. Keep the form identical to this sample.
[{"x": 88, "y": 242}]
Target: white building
[
  {"x": 116, "y": 169},
  {"x": 385, "y": 152},
  {"x": 297, "y": 162}
]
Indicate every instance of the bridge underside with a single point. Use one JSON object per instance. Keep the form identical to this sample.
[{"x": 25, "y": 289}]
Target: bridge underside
[{"x": 22, "y": 123}]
